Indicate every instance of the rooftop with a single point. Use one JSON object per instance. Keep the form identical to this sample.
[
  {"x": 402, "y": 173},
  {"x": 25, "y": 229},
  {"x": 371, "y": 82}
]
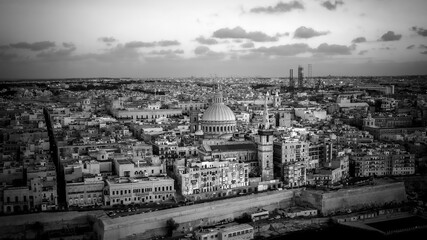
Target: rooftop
[{"x": 234, "y": 147}]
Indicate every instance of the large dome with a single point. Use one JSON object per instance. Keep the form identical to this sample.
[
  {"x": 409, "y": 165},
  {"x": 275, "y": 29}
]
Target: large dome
[
  {"x": 218, "y": 120},
  {"x": 218, "y": 112}
]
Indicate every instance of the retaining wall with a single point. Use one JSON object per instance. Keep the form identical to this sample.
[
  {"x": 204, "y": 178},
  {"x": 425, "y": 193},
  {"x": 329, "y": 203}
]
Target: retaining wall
[
  {"x": 188, "y": 217},
  {"x": 355, "y": 198}
]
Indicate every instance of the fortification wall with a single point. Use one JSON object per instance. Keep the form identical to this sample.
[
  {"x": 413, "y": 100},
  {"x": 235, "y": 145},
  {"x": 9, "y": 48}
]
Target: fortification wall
[
  {"x": 188, "y": 217},
  {"x": 356, "y": 198},
  {"x": 16, "y": 224}
]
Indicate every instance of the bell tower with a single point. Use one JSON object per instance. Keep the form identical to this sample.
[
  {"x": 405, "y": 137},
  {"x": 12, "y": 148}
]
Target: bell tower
[{"x": 265, "y": 146}]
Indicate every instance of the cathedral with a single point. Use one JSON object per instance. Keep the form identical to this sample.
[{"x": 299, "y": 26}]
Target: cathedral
[{"x": 218, "y": 124}]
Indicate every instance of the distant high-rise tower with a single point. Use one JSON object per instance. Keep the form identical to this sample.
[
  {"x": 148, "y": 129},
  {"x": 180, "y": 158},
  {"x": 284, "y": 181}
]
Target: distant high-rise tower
[
  {"x": 309, "y": 74},
  {"x": 300, "y": 77},
  {"x": 265, "y": 147},
  {"x": 291, "y": 79}
]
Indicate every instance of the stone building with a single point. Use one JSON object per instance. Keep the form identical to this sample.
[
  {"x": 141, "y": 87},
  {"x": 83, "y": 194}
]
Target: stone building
[
  {"x": 208, "y": 179},
  {"x": 125, "y": 190}
]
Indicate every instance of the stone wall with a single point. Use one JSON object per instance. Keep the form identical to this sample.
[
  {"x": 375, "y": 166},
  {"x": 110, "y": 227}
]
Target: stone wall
[
  {"x": 12, "y": 225},
  {"x": 189, "y": 217},
  {"x": 355, "y": 198}
]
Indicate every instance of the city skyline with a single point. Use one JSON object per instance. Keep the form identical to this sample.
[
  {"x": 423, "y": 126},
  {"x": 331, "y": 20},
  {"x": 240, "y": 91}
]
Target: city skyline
[{"x": 60, "y": 39}]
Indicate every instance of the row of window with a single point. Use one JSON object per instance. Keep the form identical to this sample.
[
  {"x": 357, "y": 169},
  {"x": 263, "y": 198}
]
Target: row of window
[
  {"x": 240, "y": 233},
  {"x": 90, "y": 195},
  {"x": 142, "y": 190},
  {"x": 218, "y": 129},
  {"x": 89, "y": 201},
  {"x": 150, "y": 197}
]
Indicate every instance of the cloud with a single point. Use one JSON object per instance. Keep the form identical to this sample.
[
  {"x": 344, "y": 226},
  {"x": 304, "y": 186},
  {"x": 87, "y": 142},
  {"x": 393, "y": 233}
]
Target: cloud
[
  {"x": 305, "y": 32},
  {"x": 161, "y": 55},
  {"x": 425, "y": 52},
  {"x": 167, "y": 52},
  {"x": 117, "y": 54},
  {"x": 410, "y": 46},
  {"x": 390, "y": 36},
  {"x": 359, "y": 40},
  {"x": 420, "y": 31},
  {"x": 279, "y": 8},
  {"x": 166, "y": 43},
  {"x": 55, "y": 55},
  {"x": 139, "y": 44},
  {"x": 207, "y": 53},
  {"x": 68, "y": 45},
  {"x": 107, "y": 40},
  {"x": 247, "y": 45},
  {"x": 8, "y": 57},
  {"x": 201, "y": 50},
  {"x": 207, "y": 41},
  {"x": 298, "y": 48},
  {"x": 330, "y": 6},
  {"x": 284, "y": 50},
  {"x": 363, "y": 52},
  {"x": 37, "y": 46},
  {"x": 422, "y": 46},
  {"x": 239, "y": 32},
  {"x": 333, "y": 49}
]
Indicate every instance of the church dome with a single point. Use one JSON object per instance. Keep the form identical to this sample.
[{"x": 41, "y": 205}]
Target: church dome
[
  {"x": 218, "y": 120},
  {"x": 218, "y": 112}
]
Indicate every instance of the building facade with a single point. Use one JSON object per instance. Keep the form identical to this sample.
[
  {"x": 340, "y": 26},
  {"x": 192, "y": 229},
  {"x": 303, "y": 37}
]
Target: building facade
[
  {"x": 124, "y": 191},
  {"x": 207, "y": 179}
]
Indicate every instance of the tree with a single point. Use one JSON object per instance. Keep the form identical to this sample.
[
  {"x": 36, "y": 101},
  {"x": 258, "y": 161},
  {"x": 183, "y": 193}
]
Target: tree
[{"x": 171, "y": 226}]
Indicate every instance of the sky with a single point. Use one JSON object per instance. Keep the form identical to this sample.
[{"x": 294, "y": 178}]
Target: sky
[{"x": 223, "y": 38}]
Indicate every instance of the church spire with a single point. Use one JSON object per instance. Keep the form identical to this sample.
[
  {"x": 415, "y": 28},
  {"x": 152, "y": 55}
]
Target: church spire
[{"x": 265, "y": 121}]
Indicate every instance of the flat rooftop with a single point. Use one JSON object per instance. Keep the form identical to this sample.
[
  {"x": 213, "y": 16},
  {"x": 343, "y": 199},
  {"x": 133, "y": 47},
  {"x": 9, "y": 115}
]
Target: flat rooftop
[{"x": 234, "y": 147}]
